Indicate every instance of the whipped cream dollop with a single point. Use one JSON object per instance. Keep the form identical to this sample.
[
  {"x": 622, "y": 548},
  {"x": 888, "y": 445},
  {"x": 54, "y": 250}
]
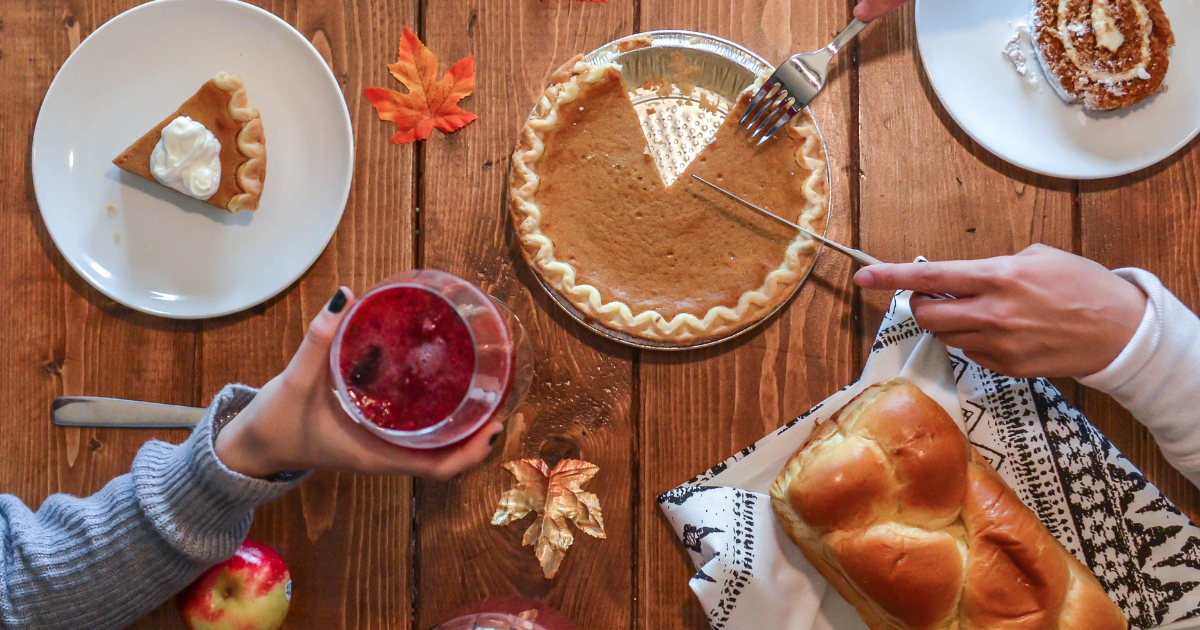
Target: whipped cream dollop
[{"x": 187, "y": 158}]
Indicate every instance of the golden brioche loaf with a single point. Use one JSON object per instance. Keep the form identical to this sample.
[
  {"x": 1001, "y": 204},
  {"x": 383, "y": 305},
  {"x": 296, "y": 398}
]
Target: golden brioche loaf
[
  {"x": 912, "y": 526},
  {"x": 1107, "y": 53}
]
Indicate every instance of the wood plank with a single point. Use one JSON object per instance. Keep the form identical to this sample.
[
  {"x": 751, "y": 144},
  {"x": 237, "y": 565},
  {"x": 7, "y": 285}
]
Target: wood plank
[
  {"x": 580, "y": 402},
  {"x": 928, "y": 188},
  {"x": 67, "y": 336},
  {"x": 345, "y": 537},
  {"x": 700, "y": 407},
  {"x": 1150, "y": 220},
  {"x": 34, "y": 274}
]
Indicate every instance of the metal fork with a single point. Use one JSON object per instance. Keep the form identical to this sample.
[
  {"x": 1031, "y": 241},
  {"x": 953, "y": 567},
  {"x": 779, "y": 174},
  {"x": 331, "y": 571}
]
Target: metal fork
[{"x": 792, "y": 86}]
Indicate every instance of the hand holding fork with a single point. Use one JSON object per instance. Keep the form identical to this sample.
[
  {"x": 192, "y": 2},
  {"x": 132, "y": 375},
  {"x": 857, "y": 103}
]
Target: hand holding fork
[{"x": 793, "y": 85}]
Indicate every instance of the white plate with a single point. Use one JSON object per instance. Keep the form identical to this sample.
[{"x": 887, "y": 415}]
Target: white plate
[
  {"x": 961, "y": 42},
  {"x": 159, "y": 251}
]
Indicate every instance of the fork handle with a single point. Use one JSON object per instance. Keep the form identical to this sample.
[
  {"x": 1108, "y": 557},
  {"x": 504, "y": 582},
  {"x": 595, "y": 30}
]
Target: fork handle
[{"x": 846, "y": 35}]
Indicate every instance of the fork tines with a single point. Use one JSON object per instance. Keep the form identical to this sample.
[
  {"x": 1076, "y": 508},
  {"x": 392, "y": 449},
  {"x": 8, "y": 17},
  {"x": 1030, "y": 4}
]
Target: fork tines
[
  {"x": 794, "y": 84},
  {"x": 770, "y": 109}
]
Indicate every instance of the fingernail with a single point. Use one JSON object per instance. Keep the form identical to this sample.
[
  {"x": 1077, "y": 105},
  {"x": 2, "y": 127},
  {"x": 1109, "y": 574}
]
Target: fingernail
[
  {"x": 337, "y": 302},
  {"x": 863, "y": 277}
]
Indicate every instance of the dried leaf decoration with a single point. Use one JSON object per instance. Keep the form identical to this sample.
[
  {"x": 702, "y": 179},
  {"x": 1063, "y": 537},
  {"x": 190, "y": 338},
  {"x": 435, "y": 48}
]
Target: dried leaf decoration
[
  {"x": 429, "y": 102},
  {"x": 529, "y": 495},
  {"x": 557, "y": 497}
]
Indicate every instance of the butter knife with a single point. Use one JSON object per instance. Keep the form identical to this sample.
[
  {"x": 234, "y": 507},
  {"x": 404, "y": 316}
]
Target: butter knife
[
  {"x": 856, "y": 255},
  {"x": 93, "y": 411}
]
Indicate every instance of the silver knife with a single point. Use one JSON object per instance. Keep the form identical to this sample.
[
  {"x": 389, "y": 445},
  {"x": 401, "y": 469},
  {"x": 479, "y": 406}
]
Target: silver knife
[
  {"x": 93, "y": 411},
  {"x": 856, "y": 255}
]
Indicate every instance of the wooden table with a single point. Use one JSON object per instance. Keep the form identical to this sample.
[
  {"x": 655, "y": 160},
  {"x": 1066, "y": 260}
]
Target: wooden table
[{"x": 393, "y": 553}]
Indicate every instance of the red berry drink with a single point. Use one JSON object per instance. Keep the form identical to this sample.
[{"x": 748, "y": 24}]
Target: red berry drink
[
  {"x": 408, "y": 360},
  {"x": 427, "y": 359}
]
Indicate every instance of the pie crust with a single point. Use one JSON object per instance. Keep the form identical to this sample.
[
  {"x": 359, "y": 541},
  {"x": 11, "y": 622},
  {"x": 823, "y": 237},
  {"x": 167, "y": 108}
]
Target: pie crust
[
  {"x": 749, "y": 304},
  {"x": 221, "y": 105}
]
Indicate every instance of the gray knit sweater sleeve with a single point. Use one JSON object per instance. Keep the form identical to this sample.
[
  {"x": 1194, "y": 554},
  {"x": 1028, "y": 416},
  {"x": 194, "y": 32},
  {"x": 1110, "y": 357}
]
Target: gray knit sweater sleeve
[{"x": 108, "y": 559}]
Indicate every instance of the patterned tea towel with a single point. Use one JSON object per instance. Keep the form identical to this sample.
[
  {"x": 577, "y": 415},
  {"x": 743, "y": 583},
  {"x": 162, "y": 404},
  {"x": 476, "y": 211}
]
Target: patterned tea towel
[{"x": 1141, "y": 548}]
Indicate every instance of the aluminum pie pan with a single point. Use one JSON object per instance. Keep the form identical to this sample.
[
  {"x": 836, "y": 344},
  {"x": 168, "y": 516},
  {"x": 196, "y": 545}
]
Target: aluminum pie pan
[{"x": 677, "y": 127}]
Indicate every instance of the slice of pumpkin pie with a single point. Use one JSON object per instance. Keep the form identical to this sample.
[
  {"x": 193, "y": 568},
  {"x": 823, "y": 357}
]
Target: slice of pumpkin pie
[
  {"x": 676, "y": 263},
  {"x": 212, "y": 148}
]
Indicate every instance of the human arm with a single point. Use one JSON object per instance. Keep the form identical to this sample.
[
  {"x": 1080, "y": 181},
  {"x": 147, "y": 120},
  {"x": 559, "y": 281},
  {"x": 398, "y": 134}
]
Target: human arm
[
  {"x": 1045, "y": 312},
  {"x": 1157, "y": 375},
  {"x": 104, "y": 561},
  {"x": 1042, "y": 312}
]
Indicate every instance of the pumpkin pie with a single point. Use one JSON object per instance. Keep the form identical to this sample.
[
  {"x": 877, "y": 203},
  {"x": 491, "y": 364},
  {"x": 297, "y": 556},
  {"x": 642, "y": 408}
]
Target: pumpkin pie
[
  {"x": 676, "y": 263},
  {"x": 222, "y": 108}
]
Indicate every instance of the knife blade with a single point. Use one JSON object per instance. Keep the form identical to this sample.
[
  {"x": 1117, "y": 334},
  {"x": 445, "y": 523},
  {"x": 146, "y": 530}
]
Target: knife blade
[
  {"x": 858, "y": 256},
  {"x": 94, "y": 411}
]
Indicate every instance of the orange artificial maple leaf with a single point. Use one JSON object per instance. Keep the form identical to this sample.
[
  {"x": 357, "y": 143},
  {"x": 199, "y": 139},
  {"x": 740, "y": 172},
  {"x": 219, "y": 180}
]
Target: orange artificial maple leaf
[{"x": 429, "y": 102}]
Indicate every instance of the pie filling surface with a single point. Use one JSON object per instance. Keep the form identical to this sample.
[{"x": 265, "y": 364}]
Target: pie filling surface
[{"x": 678, "y": 263}]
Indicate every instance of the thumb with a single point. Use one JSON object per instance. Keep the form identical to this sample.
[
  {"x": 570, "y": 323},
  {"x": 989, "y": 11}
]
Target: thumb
[
  {"x": 868, "y": 10},
  {"x": 312, "y": 358}
]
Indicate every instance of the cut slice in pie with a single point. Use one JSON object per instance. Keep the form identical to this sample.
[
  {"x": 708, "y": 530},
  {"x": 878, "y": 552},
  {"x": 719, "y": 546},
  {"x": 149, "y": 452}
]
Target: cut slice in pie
[
  {"x": 674, "y": 264},
  {"x": 222, "y": 108}
]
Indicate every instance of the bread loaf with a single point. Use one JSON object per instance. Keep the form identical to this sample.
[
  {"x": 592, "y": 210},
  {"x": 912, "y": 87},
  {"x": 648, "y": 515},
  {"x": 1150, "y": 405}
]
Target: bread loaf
[{"x": 913, "y": 527}]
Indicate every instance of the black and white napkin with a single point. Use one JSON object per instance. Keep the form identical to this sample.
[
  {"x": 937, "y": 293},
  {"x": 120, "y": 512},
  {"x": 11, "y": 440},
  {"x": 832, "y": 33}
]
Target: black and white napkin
[{"x": 1141, "y": 548}]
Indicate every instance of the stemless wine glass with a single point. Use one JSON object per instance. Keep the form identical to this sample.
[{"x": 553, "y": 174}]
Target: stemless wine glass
[
  {"x": 507, "y": 613},
  {"x": 503, "y": 358},
  {"x": 490, "y": 621}
]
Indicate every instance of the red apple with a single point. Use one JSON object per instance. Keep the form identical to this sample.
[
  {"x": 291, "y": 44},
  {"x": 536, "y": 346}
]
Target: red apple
[{"x": 250, "y": 591}]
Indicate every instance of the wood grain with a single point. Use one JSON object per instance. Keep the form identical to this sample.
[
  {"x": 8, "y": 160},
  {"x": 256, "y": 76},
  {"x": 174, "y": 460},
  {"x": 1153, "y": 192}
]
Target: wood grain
[
  {"x": 345, "y": 537},
  {"x": 87, "y": 333},
  {"x": 580, "y": 403},
  {"x": 1149, "y": 220},
  {"x": 66, "y": 337},
  {"x": 700, "y": 407},
  {"x": 372, "y": 553},
  {"x": 946, "y": 197},
  {"x": 928, "y": 188}
]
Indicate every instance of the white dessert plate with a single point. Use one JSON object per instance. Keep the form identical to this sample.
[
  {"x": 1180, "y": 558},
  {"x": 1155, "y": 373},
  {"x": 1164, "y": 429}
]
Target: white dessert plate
[
  {"x": 1030, "y": 126},
  {"x": 149, "y": 247}
]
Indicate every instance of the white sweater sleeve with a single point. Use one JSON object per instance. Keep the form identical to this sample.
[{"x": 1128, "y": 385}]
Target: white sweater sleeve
[{"x": 1157, "y": 376}]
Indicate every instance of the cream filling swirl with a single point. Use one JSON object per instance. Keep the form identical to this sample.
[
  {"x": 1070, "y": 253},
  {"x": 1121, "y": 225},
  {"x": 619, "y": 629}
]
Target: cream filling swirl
[
  {"x": 1105, "y": 27},
  {"x": 1105, "y": 39}
]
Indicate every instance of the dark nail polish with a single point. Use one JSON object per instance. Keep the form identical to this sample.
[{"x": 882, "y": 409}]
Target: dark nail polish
[
  {"x": 337, "y": 302},
  {"x": 495, "y": 438}
]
